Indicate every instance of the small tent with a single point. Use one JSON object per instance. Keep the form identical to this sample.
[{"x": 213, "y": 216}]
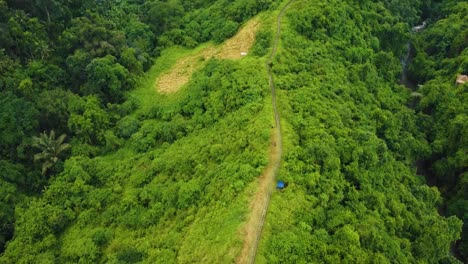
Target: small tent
[{"x": 280, "y": 185}]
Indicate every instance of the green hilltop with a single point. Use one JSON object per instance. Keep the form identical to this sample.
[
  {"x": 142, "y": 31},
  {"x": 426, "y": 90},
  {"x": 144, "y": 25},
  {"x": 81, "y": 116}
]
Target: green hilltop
[{"x": 361, "y": 113}]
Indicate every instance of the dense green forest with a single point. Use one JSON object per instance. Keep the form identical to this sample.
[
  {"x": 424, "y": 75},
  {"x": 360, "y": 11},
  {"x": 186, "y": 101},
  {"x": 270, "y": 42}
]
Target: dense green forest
[
  {"x": 355, "y": 137},
  {"x": 441, "y": 55},
  {"x": 353, "y": 141},
  {"x": 97, "y": 167}
]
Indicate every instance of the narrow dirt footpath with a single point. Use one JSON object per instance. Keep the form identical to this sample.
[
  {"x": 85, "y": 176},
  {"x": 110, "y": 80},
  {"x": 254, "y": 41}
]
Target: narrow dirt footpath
[{"x": 261, "y": 200}]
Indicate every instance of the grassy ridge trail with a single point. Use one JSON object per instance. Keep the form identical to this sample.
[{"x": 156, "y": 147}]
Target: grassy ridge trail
[{"x": 261, "y": 199}]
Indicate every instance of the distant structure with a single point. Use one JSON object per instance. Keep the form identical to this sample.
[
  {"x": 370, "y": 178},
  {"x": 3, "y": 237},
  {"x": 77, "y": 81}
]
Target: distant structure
[
  {"x": 280, "y": 185},
  {"x": 243, "y": 53},
  {"x": 420, "y": 27},
  {"x": 461, "y": 79}
]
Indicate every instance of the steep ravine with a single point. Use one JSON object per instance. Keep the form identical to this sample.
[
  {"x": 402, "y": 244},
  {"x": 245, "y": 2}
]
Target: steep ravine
[{"x": 423, "y": 167}]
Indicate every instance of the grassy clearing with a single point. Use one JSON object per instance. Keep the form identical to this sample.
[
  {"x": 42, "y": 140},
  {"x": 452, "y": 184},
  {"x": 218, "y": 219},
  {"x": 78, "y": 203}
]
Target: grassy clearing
[
  {"x": 181, "y": 71},
  {"x": 145, "y": 94},
  {"x": 241, "y": 42}
]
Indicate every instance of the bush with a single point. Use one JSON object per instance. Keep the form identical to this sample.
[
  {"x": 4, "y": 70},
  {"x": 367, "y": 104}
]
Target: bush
[
  {"x": 127, "y": 126},
  {"x": 226, "y": 31},
  {"x": 130, "y": 255},
  {"x": 262, "y": 43}
]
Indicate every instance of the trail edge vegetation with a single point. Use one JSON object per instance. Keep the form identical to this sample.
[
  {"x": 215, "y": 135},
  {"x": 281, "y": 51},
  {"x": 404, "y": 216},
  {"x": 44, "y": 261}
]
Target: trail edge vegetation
[{"x": 276, "y": 149}]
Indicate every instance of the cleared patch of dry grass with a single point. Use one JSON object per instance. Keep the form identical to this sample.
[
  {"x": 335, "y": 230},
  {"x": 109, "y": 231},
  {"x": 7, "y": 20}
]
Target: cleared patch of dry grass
[
  {"x": 241, "y": 42},
  {"x": 181, "y": 72}
]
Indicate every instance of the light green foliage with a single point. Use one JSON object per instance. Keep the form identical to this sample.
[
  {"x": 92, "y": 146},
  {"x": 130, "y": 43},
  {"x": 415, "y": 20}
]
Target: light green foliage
[
  {"x": 65, "y": 66},
  {"x": 180, "y": 198},
  {"x": 158, "y": 178}
]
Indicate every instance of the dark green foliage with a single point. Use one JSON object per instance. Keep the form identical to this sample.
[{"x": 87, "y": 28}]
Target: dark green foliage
[
  {"x": 171, "y": 183},
  {"x": 18, "y": 121},
  {"x": 129, "y": 255},
  {"x": 7, "y": 195},
  {"x": 263, "y": 40},
  {"x": 445, "y": 39},
  {"x": 127, "y": 126},
  {"x": 226, "y": 30},
  {"x": 129, "y": 59},
  {"x": 108, "y": 79},
  {"x": 216, "y": 22},
  {"x": 88, "y": 120},
  {"x": 353, "y": 194},
  {"x": 93, "y": 34},
  {"x": 51, "y": 148},
  {"x": 26, "y": 37},
  {"x": 163, "y": 15},
  {"x": 243, "y": 9},
  {"x": 441, "y": 55},
  {"x": 44, "y": 76},
  {"x": 65, "y": 66},
  {"x": 53, "y": 109},
  {"x": 11, "y": 175},
  {"x": 101, "y": 237},
  {"x": 407, "y": 10}
]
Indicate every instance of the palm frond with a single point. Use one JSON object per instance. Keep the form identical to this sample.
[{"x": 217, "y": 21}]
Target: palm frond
[
  {"x": 52, "y": 135},
  {"x": 41, "y": 156},
  {"x": 51, "y": 148},
  {"x": 45, "y": 166},
  {"x": 62, "y": 148},
  {"x": 61, "y": 139}
]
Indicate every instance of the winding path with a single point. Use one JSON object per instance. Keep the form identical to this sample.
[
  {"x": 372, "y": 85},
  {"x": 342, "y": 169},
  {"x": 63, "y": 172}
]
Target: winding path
[{"x": 261, "y": 200}]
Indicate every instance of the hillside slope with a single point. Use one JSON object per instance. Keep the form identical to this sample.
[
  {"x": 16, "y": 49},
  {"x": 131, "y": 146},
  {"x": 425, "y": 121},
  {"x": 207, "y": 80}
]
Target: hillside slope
[
  {"x": 351, "y": 144},
  {"x": 155, "y": 169},
  {"x": 176, "y": 191}
]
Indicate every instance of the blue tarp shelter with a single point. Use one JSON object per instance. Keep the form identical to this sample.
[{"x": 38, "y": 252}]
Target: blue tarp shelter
[{"x": 280, "y": 185}]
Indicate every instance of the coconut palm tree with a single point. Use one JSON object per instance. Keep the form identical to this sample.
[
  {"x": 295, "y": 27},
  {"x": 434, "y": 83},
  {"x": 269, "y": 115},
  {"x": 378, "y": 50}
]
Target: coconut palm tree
[{"x": 51, "y": 149}]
